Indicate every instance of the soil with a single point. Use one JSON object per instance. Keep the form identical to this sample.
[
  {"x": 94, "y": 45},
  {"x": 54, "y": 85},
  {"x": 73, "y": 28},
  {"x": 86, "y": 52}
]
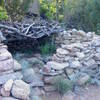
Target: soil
[{"x": 89, "y": 93}]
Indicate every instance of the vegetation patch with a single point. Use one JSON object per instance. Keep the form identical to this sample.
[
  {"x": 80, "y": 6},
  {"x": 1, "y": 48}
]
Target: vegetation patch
[
  {"x": 47, "y": 49},
  {"x": 3, "y": 14},
  {"x": 63, "y": 85}
]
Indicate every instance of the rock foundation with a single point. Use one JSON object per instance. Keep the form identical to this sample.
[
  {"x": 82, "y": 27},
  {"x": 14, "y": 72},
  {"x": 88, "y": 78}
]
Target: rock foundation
[{"x": 77, "y": 55}]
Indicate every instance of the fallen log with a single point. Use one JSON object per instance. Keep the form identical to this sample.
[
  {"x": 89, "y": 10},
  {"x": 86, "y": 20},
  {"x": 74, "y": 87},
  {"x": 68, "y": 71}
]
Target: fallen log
[{"x": 10, "y": 28}]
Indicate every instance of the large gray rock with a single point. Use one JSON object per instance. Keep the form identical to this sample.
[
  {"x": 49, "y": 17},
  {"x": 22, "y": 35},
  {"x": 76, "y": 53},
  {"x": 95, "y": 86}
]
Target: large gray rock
[
  {"x": 20, "y": 90},
  {"x": 29, "y": 76}
]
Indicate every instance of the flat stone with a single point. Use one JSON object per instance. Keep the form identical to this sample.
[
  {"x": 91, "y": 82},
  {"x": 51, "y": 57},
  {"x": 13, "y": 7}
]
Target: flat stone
[
  {"x": 62, "y": 51},
  {"x": 20, "y": 90},
  {"x": 13, "y": 76},
  {"x": 51, "y": 73},
  {"x": 56, "y": 65},
  {"x": 90, "y": 63},
  {"x": 80, "y": 55},
  {"x": 75, "y": 64}
]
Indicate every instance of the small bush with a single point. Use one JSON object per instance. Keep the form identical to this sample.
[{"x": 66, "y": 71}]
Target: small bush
[
  {"x": 3, "y": 14},
  {"x": 63, "y": 85},
  {"x": 47, "y": 49}
]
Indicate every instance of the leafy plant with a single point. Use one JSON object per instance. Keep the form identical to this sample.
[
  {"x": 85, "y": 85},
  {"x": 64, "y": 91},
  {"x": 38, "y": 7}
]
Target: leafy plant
[
  {"x": 3, "y": 14},
  {"x": 47, "y": 49},
  {"x": 17, "y": 8}
]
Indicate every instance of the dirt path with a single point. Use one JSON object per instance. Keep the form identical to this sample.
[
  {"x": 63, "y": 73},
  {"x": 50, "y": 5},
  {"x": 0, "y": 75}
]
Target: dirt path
[{"x": 89, "y": 93}]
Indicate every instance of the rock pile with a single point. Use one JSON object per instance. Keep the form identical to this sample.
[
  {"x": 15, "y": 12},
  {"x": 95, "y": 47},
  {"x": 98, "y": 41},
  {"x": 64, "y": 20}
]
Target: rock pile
[
  {"x": 11, "y": 83},
  {"x": 78, "y": 57}
]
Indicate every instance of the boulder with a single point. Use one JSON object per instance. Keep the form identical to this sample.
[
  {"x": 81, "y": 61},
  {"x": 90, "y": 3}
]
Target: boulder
[
  {"x": 20, "y": 90},
  {"x": 29, "y": 76}
]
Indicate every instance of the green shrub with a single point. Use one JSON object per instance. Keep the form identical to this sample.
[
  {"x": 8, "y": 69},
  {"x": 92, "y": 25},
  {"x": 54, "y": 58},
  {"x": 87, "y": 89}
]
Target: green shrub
[
  {"x": 47, "y": 49},
  {"x": 63, "y": 85},
  {"x": 3, "y": 14}
]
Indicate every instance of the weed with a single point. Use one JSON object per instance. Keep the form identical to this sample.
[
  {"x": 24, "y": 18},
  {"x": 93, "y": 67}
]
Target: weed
[{"x": 63, "y": 85}]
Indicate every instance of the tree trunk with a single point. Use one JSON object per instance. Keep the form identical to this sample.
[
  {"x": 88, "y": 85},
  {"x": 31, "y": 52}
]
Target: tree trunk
[{"x": 34, "y": 7}]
